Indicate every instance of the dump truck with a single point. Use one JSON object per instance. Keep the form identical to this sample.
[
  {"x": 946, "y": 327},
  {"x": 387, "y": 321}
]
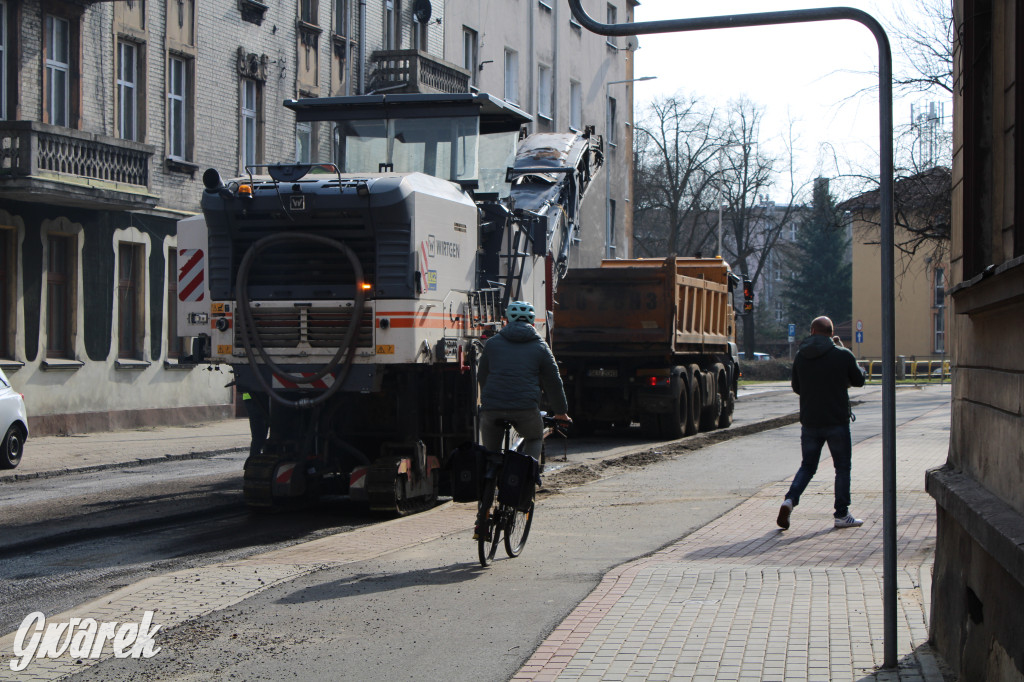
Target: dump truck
[
  {"x": 649, "y": 341},
  {"x": 350, "y": 297}
]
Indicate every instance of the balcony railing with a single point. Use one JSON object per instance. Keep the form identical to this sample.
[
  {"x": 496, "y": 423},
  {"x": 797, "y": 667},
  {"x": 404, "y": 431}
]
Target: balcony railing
[
  {"x": 77, "y": 167},
  {"x": 414, "y": 71}
]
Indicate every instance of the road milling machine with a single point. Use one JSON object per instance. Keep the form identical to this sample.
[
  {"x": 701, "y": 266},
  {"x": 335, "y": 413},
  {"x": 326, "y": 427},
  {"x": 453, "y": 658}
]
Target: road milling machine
[{"x": 351, "y": 298}]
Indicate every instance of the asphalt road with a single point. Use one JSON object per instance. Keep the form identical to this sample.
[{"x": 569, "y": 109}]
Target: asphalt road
[{"x": 428, "y": 612}]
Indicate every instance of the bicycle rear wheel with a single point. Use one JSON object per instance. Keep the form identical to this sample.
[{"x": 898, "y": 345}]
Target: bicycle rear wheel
[
  {"x": 518, "y": 529},
  {"x": 487, "y": 527}
]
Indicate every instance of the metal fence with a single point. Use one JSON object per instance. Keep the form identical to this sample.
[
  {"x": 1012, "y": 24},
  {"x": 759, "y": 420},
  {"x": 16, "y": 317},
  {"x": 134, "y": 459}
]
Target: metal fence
[{"x": 910, "y": 370}]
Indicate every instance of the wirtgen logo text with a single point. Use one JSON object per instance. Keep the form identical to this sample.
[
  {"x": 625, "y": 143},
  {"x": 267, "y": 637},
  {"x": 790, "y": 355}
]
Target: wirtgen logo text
[{"x": 82, "y": 638}]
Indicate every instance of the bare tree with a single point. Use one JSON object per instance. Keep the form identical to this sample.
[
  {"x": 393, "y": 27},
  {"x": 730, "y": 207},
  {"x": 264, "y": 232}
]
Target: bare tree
[
  {"x": 676, "y": 146},
  {"x": 754, "y": 224},
  {"x": 923, "y": 34}
]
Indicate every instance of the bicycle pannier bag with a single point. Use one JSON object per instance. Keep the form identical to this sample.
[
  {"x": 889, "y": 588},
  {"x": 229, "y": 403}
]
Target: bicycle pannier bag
[
  {"x": 467, "y": 472},
  {"x": 520, "y": 475}
]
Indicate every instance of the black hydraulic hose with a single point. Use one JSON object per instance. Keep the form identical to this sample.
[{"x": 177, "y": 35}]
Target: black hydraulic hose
[{"x": 250, "y": 335}]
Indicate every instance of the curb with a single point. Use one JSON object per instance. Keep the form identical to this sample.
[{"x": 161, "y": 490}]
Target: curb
[
  {"x": 138, "y": 462},
  {"x": 647, "y": 454}
]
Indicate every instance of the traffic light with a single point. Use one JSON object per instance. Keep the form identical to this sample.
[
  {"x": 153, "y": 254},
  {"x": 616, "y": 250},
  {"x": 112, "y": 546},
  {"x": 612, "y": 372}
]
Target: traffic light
[{"x": 748, "y": 296}]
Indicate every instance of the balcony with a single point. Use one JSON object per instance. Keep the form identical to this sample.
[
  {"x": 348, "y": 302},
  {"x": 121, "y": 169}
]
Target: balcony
[
  {"x": 45, "y": 163},
  {"x": 414, "y": 71}
]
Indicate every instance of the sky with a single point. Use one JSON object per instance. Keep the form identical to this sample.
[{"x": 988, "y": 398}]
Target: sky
[{"x": 810, "y": 73}]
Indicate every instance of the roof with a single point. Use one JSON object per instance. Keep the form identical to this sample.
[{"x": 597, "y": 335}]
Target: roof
[
  {"x": 924, "y": 192},
  {"x": 495, "y": 115}
]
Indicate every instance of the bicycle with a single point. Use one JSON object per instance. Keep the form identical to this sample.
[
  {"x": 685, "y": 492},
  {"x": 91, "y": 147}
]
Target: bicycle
[{"x": 497, "y": 520}]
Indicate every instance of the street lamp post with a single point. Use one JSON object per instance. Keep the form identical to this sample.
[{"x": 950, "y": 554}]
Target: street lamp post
[{"x": 609, "y": 246}]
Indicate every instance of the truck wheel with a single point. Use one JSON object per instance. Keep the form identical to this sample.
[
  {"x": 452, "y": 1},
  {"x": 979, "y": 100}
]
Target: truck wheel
[
  {"x": 728, "y": 398},
  {"x": 693, "y": 401},
  {"x": 673, "y": 423},
  {"x": 710, "y": 415}
]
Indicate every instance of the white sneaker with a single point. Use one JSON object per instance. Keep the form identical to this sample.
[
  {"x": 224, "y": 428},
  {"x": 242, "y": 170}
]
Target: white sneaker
[
  {"x": 784, "y": 511},
  {"x": 848, "y": 521}
]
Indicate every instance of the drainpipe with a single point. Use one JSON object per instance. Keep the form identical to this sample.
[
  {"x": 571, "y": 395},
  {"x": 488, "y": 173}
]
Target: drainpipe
[
  {"x": 362, "y": 46},
  {"x": 531, "y": 98}
]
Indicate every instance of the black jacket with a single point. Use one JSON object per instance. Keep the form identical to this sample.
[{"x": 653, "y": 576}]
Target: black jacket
[
  {"x": 515, "y": 364},
  {"x": 822, "y": 371}
]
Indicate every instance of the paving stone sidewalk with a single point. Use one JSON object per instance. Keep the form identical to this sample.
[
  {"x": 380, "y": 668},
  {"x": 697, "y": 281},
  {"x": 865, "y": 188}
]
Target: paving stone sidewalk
[{"x": 740, "y": 599}]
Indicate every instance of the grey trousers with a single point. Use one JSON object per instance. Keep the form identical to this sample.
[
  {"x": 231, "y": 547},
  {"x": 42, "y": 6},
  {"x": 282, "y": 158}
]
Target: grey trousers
[{"x": 527, "y": 422}]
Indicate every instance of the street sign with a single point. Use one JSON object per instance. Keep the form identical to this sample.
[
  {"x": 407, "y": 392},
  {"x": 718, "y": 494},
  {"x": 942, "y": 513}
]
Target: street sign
[
  {"x": 860, "y": 325},
  {"x": 792, "y": 329},
  {"x": 860, "y": 336}
]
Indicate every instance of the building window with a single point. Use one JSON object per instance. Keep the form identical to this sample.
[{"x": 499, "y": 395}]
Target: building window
[
  {"x": 575, "y": 106},
  {"x": 612, "y": 126},
  {"x": 544, "y": 107},
  {"x": 392, "y": 37},
  {"x": 60, "y": 271},
  {"x": 250, "y": 119},
  {"x": 511, "y": 76},
  {"x": 940, "y": 288},
  {"x": 8, "y": 288},
  {"x": 3, "y": 60},
  {"x": 127, "y": 89},
  {"x": 58, "y": 70},
  {"x": 341, "y": 18},
  {"x": 179, "y": 99},
  {"x": 419, "y": 32},
  {"x": 613, "y": 18},
  {"x": 175, "y": 343},
  {"x": 469, "y": 53},
  {"x": 308, "y": 11},
  {"x": 303, "y": 141},
  {"x": 130, "y": 270},
  {"x": 939, "y": 322}
]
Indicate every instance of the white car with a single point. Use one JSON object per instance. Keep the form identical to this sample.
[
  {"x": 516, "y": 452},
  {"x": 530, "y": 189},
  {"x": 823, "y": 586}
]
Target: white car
[{"x": 13, "y": 422}]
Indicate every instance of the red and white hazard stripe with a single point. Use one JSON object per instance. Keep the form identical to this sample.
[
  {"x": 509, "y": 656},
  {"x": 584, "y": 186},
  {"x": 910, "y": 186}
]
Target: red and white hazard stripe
[
  {"x": 322, "y": 383},
  {"x": 191, "y": 274}
]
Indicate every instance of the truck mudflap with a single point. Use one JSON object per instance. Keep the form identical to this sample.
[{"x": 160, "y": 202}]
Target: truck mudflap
[{"x": 403, "y": 480}]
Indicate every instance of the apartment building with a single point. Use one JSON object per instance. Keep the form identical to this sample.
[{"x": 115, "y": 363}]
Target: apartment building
[{"x": 110, "y": 111}]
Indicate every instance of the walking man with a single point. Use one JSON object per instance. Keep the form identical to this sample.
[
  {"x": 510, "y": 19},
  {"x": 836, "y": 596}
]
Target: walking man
[{"x": 822, "y": 372}]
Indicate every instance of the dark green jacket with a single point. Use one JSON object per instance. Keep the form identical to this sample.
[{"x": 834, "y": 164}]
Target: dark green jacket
[
  {"x": 822, "y": 373},
  {"x": 515, "y": 365}
]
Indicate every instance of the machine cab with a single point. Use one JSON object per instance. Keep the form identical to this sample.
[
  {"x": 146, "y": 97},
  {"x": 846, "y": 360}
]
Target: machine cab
[{"x": 469, "y": 139}]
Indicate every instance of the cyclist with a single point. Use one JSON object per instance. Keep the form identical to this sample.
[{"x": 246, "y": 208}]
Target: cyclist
[{"x": 515, "y": 366}]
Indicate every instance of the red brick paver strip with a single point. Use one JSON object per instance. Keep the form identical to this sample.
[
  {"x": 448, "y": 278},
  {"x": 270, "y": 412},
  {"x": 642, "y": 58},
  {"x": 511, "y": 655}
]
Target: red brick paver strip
[{"x": 739, "y": 599}]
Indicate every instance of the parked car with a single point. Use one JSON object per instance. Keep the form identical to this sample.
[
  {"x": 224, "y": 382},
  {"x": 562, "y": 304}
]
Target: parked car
[
  {"x": 757, "y": 356},
  {"x": 13, "y": 422}
]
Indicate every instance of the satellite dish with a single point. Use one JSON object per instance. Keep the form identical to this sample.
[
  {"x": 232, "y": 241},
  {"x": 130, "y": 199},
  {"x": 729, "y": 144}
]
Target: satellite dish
[
  {"x": 632, "y": 43},
  {"x": 421, "y": 9}
]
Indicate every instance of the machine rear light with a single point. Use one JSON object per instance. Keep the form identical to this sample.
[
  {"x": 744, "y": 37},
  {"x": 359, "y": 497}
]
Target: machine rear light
[{"x": 366, "y": 286}]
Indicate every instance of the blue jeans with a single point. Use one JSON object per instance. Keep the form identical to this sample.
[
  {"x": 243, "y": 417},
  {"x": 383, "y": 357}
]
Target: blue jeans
[{"x": 812, "y": 439}]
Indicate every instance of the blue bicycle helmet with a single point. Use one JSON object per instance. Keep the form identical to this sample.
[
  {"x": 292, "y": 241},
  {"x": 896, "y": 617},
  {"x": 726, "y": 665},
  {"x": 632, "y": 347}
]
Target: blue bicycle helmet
[{"x": 520, "y": 311}]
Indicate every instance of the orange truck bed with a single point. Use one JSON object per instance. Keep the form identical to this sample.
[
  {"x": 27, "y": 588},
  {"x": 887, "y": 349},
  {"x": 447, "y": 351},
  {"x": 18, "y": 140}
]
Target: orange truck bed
[{"x": 672, "y": 306}]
